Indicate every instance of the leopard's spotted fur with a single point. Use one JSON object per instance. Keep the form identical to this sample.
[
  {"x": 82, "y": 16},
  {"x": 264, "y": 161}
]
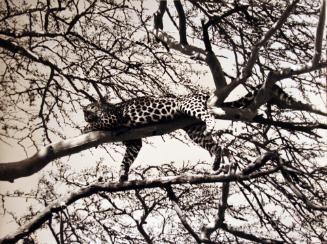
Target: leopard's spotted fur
[{"x": 145, "y": 110}]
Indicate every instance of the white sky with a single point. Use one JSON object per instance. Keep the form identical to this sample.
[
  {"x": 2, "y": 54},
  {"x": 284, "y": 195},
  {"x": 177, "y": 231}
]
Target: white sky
[{"x": 161, "y": 151}]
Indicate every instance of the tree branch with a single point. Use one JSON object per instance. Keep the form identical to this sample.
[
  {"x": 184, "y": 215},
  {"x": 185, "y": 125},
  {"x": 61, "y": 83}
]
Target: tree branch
[
  {"x": 264, "y": 94},
  {"x": 219, "y": 221},
  {"x": 319, "y": 33},
  {"x": 14, "y": 170},
  {"x": 182, "y": 22},
  {"x": 304, "y": 127},
  {"x": 172, "y": 197},
  {"x": 298, "y": 192},
  {"x": 259, "y": 162},
  {"x": 247, "y": 70},
  {"x": 250, "y": 237},
  {"x": 171, "y": 43},
  {"x": 158, "y": 24},
  {"x": 161, "y": 182},
  {"x": 10, "y": 46},
  {"x": 29, "y": 166}
]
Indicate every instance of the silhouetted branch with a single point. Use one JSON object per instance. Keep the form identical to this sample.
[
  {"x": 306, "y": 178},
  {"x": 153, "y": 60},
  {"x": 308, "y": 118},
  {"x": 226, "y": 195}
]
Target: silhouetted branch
[
  {"x": 319, "y": 33},
  {"x": 298, "y": 192},
  {"x": 219, "y": 221},
  {"x": 247, "y": 70},
  {"x": 12, "y": 47},
  {"x": 259, "y": 162},
  {"x": 158, "y": 24},
  {"x": 182, "y": 22},
  {"x": 249, "y": 236},
  {"x": 172, "y": 197},
  {"x": 161, "y": 182}
]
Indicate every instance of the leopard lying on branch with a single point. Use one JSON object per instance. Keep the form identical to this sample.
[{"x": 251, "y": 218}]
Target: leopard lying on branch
[{"x": 146, "y": 110}]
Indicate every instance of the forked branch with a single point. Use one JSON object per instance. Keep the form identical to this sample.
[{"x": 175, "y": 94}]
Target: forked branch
[{"x": 161, "y": 182}]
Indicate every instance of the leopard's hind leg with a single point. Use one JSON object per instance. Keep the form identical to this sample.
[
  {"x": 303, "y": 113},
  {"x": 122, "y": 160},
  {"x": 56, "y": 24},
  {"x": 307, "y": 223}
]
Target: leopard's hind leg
[
  {"x": 196, "y": 134},
  {"x": 133, "y": 148}
]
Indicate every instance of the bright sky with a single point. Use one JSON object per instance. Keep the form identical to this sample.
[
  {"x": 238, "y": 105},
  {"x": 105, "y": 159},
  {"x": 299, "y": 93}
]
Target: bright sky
[{"x": 158, "y": 152}]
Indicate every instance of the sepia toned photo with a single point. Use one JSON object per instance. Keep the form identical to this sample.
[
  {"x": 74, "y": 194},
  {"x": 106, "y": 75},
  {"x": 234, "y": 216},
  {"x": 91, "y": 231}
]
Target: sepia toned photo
[{"x": 163, "y": 121}]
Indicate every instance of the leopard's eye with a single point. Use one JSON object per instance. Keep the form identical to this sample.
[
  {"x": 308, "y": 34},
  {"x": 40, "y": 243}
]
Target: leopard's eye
[{"x": 92, "y": 107}]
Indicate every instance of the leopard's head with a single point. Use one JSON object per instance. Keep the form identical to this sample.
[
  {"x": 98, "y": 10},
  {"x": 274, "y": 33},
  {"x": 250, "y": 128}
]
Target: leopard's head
[{"x": 93, "y": 112}]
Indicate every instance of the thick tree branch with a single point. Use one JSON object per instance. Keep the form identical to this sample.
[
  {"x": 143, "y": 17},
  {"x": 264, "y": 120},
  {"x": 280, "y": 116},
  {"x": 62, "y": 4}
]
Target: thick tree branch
[
  {"x": 29, "y": 166},
  {"x": 182, "y": 22},
  {"x": 197, "y": 53},
  {"x": 171, "y": 43},
  {"x": 281, "y": 74},
  {"x": 319, "y": 33},
  {"x": 248, "y": 236},
  {"x": 162, "y": 182},
  {"x": 158, "y": 24},
  {"x": 211, "y": 59},
  {"x": 259, "y": 162},
  {"x": 14, "y": 170},
  {"x": 304, "y": 127},
  {"x": 247, "y": 70},
  {"x": 215, "y": 20}
]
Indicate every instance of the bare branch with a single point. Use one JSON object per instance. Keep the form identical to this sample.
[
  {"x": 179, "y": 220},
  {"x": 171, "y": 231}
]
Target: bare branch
[
  {"x": 259, "y": 162},
  {"x": 265, "y": 94},
  {"x": 172, "y": 197},
  {"x": 182, "y": 22},
  {"x": 319, "y": 33},
  {"x": 304, "y": 127},
  {"x": 247, "y": 70},
  {"x": 250, "y": 237},
  {"x": 12, "y": 47},
  {"x": 162, "y": 182},
  {"x": 42, "y": 104},
  {"x": 219, "y": 221},
  {"x": 296, "y": 190},
  {"x": 211, "y": 59},
  {"x": 158, "y": 24},
  {"x": 173, "y": 44}
]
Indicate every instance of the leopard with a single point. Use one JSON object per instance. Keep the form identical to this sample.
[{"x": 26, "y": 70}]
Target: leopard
[{"x": 102, "y": 115}]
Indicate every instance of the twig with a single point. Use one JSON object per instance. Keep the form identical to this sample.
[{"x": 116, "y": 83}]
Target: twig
[
  {"x": 247, "y": 70},
  {"x": 296, "y": 190},
  {"x": 172, "y": 197},
  {"x": 160, "y": 182}
]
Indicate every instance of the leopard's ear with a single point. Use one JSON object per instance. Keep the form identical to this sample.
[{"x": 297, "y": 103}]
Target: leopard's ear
[{"x": 104, "y": 99}]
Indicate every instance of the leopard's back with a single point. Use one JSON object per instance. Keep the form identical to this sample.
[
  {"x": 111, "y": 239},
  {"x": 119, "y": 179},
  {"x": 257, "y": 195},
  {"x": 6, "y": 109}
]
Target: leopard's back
[{"x": 146, "y": 110}]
